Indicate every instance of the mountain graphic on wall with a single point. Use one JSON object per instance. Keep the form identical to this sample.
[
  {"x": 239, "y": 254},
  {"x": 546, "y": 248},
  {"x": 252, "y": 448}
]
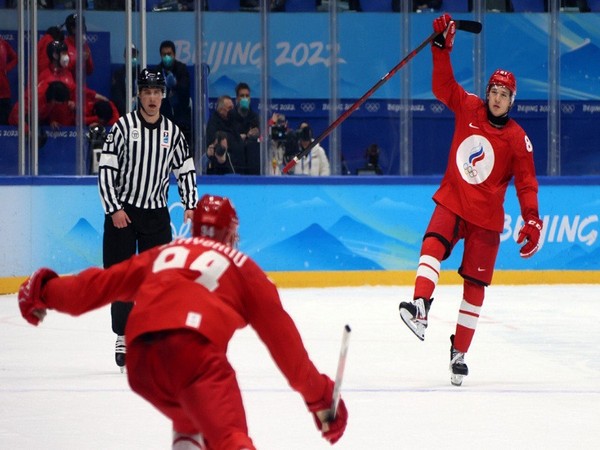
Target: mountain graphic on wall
[
  {"x": 579, "y": 80},
  {"x": 81, "y": 247},
  {"x": 574, "y": 256},
  {"x": 312, "y": 249},
  {"x": 224, "y": 85},
  {"x": 588, "y": 261},
  {"x": 363, "y": 240},
  {"x": 576, "y": 70}
]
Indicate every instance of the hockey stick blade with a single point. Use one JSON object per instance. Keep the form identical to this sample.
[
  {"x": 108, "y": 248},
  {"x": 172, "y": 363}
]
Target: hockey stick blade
[
  {"x": 335, "y": 401},
  {"x": 470, "y": 26}
]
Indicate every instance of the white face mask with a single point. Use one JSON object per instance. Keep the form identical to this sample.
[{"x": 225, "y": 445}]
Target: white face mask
[{"x": 64, "y": 60}]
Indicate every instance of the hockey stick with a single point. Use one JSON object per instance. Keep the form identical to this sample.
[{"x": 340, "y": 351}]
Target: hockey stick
[
  {"x": 470, "y": 26},
  {"x": 340, "y": 372}
]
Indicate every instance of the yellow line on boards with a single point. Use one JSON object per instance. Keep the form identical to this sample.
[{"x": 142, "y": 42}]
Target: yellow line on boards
[{"x": 10, "y": 285}]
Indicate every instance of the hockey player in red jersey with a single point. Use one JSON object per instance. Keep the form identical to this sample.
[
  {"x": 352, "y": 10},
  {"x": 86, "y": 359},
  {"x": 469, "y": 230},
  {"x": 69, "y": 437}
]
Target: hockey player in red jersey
[
  {"x": 189, "y": 298},
  {"x": 487, "y": 151}
]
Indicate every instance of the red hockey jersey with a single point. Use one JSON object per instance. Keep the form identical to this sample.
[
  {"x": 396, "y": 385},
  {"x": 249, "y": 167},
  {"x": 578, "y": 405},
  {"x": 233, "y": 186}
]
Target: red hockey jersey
[
  {"x": 483, "y": 159},
  {"x": 196, "y": 284}
]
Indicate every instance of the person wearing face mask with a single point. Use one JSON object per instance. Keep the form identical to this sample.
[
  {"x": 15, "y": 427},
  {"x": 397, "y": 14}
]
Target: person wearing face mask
[
  {"x": 247, "y": 123},
  {"x": 177, "y": 103},
  {"x": 223, "y": 119},
  {"x": 8, "y": 61},
  {"x": 57, "y": 69},
  {"x": 53, "y": 33},
  {"x": 118, "y": 86},
  {"x": 56, "y": 90}
]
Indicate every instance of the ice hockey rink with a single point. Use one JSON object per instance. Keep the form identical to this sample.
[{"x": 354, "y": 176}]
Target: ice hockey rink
[{"x": 534, "y": 379}]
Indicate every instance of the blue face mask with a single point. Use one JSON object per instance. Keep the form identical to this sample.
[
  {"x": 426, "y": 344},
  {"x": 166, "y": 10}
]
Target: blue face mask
[
  {"x": 167, "y": 60},
  {"x": 134, "y": 62},
  {"x": 245, "y": 103}
]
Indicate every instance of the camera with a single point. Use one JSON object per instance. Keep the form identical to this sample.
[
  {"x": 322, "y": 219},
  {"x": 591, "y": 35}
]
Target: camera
[
  {"x": 220, "y": 150},
  {"x": 278, "y": 132},
  {"x": 304, "y": 134},
  {"x": 96, "y": 135},
  {"x": 372, "y": 166}
]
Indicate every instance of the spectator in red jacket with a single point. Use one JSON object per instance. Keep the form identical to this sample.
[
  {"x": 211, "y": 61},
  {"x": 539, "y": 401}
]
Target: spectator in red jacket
[
  {"x": 100, "y": 111},
  {"x": 55, "y": 106},
  {"x": 53, "y": 33},
  {"x": 58, "y": 66},
  {"x": 70, "y": 39},
  {"x": 8, "y": 61}
]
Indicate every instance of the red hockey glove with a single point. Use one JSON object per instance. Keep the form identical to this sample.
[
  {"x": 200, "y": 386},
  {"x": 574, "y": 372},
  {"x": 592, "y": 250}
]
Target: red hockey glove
[
  {"x": 331, "y": 429},
  {"x": 530, "y": 234},
  {"x": 33, "y": 308},
  {"x": 446, "y": 29}
]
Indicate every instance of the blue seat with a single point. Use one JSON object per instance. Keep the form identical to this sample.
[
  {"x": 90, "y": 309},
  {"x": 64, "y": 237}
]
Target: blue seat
[
  {"x": 454, "y": 6},
  {"x": 300, "y": 5},
  {"x": 528, "y": 5},
  {"x": 223, "y": 5},
  {"x": 376, "y": 5}
]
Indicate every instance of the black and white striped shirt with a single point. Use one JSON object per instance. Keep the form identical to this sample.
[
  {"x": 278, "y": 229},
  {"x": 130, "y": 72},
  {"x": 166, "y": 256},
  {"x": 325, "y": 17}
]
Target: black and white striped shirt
[{"x": 137, "y": 160}]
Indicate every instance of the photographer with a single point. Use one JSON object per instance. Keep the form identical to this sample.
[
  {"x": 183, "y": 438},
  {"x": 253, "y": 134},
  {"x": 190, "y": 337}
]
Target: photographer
[
  {"x": 372, "y": 166},
  {"x": 219, "y": 162},
  {"x": 222, "y": 119},
  {"x": 279, "y": 143},
  {"x": 247, "y": 124},
  {"x": 316, "y": 162}
]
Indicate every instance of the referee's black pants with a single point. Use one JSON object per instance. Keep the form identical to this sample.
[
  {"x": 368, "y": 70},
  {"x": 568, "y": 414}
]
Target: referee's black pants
[{"x": 148, "y": 228}]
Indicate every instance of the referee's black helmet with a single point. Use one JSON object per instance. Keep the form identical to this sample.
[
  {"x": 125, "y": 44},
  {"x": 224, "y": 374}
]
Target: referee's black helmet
[{"x": 150, "y": 78}]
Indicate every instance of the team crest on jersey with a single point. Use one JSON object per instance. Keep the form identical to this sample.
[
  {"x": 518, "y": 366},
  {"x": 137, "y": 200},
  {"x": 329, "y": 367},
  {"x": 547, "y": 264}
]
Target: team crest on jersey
[
  {"x": 475, "y": 159},
  {"x": 135, "y": 135},
  {"x": 166, "y": 139}
]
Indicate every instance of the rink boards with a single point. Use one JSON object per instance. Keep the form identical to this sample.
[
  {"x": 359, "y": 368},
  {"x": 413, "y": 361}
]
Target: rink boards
[{"x": 307, "y": 231}]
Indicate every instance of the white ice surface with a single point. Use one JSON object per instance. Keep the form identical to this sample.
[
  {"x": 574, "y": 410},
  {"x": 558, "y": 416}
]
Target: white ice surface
[{"x": 534, "y": 379}]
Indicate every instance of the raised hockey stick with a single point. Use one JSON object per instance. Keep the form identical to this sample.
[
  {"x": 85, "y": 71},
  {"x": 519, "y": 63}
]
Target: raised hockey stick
[
  {"x": 340, "y": 372},
  {"x": 470, "y": 26}
]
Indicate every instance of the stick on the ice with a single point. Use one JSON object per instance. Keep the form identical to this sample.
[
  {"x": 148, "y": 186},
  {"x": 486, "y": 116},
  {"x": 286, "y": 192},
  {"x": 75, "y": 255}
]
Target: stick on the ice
[
  {"x": 340, "y": 372},
  {"x": 469, "y": 26}
]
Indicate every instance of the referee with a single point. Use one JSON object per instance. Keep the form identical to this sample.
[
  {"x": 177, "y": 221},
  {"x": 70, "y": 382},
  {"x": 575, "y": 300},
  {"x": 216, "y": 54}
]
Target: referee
[{"x": 138, "y": 156}]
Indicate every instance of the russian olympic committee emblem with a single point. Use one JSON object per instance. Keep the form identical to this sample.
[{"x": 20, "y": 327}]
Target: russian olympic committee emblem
[{"x": 475, "y": 159}]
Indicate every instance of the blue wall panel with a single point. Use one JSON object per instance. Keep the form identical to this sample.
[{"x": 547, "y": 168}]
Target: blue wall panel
[{"x": 298, "y": 224}]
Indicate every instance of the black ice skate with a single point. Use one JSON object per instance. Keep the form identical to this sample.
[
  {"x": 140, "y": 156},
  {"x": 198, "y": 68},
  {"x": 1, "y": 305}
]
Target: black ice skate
[
  {"x": 120, "y": 351},
  {"x": 414, "y": 315},
  {"x": 458, "y": 368}
]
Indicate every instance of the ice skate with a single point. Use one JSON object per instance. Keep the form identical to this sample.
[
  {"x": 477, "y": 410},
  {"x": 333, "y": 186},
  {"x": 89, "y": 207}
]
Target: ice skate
[
  {"x": 414, "y": 315},
  {"x": 458, "y": 368},
  {"x": 120, "y": 351},
  {"x": 183, "y": 441}
]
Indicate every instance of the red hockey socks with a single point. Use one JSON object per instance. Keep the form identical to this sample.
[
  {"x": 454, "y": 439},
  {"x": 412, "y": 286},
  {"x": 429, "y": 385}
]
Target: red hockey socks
[
  {"x": 428, "y": 272},
  {"x": 468, "y": 315}
]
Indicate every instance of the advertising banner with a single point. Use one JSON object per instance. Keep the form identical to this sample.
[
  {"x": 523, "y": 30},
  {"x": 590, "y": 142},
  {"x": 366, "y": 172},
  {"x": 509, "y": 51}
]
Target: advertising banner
[{"x": 296, "y": 224}]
